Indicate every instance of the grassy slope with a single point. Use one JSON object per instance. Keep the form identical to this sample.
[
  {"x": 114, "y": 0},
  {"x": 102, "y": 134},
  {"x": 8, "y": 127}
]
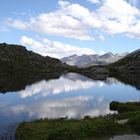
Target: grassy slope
[{"x": 70, "y": 129}]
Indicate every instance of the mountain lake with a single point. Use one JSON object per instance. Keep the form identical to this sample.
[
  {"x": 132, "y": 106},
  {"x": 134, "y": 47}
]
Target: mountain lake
[{"x": 72, "y": 96}]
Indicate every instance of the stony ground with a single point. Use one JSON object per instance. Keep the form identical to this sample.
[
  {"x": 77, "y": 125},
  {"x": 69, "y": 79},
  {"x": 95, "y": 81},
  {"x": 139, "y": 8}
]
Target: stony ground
[{"x": 126, "y": 137}]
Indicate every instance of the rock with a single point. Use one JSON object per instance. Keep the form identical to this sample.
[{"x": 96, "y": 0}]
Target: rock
[
  {"x": 126, "y": 137},
  {"x": 96, "y": 73},
  {"x": 90, "y": 60},
  {"x": 19, "y": 67},
  {"x": 127, "y": 69},
  {"x": 122, "y": 121}
]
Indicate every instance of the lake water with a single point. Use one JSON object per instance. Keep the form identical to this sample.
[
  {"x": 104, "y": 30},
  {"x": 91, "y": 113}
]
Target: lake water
[{"x": 72, "y": 96}]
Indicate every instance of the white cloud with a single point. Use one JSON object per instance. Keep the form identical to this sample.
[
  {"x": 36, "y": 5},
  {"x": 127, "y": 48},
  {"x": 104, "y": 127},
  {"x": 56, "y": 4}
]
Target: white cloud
[
  {"x": 101, "y": 37},
  {"x": 16, "y": 23},
  {"x": 59, "y": 23},
  {"x": 121, "y": 7},
  {"x": 76, "y": 21},
  {"x": 63, "y": 3},
  {"x": 83, "y": 15},
  {"x": 53, "y": 48},
  {"x": 117, "y": 16},
  {"x": 134, "y": 31},
  {"x": 94, "y": 1},
  {"x": 71, "y": 20}
]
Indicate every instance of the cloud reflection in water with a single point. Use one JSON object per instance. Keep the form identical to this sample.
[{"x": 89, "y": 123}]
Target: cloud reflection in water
[
  {"x": 71, "y": 96},
  {"x": 65, "y": 83}
]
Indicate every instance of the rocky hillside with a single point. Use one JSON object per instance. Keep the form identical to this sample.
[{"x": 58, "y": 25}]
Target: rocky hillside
[
  {"x": 15, "y": 58},
  {"x": 19, "y": 67},
  {"x": 127, "y": 69},
  {"x": 130, "y": 63},
  {"x": 89, "y": 60}
]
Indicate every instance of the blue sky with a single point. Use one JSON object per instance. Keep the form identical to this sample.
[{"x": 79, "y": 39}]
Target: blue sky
[{"x": 64, "y": 27}]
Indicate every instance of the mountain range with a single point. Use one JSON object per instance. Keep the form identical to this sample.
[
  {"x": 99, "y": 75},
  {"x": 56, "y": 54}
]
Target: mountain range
[
  {"x": 95, "y": 59},
  {"x": 20, "y": 67}
]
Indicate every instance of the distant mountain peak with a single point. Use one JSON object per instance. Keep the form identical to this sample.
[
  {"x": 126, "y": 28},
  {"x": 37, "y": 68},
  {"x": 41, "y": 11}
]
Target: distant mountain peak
[
  {"x": 108, "y": 55},
  {"x": 74, "y": 55},
  {"x": 92, "y": 59}
]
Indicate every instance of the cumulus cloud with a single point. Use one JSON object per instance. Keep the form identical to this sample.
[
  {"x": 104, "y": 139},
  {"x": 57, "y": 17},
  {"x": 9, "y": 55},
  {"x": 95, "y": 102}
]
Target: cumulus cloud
[
  {"x": 118, "y": 16},
  {"x": 68, "y": 21},
  {"x": 77, "y": 21},
  {"x": 53, "y": 48}
]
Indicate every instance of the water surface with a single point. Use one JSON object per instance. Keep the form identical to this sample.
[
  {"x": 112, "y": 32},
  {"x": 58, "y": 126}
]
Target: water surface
[{"x": 72, "y": 96}]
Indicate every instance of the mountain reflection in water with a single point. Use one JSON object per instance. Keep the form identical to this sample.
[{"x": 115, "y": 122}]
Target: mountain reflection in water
[{"x": 72, "y": 96}]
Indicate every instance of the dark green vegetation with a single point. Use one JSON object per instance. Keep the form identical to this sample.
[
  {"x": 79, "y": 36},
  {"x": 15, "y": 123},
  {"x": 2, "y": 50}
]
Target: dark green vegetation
[
  {"x": 130, "y": 111},
  {"x": 125, "y": 107},
  {"x": 84, "y": 129},
  {"x": 70, "y": 129}
]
